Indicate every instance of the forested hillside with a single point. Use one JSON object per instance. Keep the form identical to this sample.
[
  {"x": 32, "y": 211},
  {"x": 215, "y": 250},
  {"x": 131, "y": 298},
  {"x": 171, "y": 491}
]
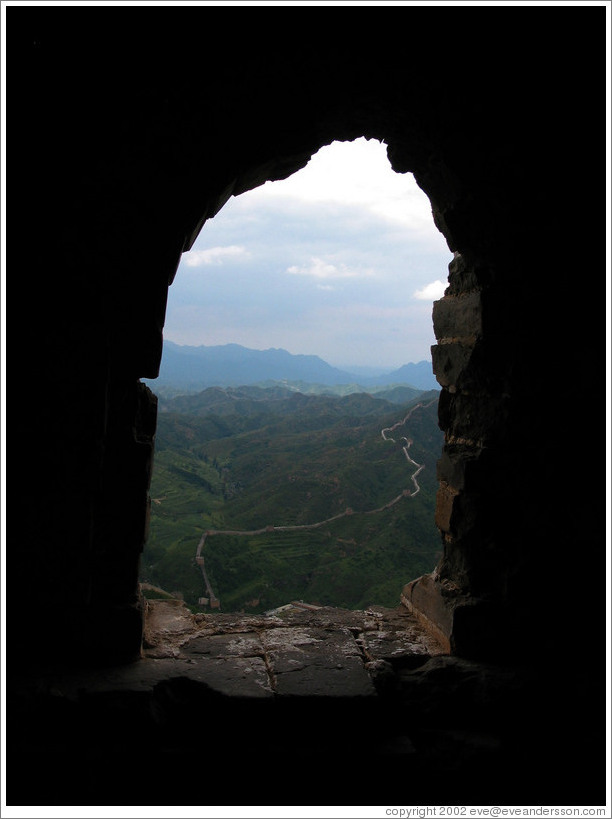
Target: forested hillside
[{"x": 248, "y": 459}]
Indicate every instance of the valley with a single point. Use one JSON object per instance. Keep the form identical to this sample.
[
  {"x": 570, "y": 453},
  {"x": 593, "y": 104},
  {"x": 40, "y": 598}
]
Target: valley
[{"x": 292, "y": 496}]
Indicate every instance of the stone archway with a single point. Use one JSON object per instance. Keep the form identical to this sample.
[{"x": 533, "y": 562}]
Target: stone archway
[
  {"x": 119, "y": 161},
  {"x": 128, "y": 192},
  {"x": 466, "y": 600}
]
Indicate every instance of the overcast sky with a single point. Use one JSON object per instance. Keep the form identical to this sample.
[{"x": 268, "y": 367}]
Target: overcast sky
[{"x": 342, "y": 260}]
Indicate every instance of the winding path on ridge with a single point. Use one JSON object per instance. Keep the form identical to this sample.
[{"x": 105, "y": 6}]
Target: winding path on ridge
[{"x": 405, "y": 493}]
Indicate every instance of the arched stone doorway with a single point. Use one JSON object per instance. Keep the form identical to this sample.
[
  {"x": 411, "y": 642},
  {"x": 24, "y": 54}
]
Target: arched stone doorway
[
  {"x": 172, "y": 151},
  {"x": 120, "y": 161}
]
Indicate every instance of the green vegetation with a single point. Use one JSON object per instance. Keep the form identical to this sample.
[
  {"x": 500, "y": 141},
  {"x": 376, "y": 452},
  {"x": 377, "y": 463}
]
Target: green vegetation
[{"x": 245, "y": 459}]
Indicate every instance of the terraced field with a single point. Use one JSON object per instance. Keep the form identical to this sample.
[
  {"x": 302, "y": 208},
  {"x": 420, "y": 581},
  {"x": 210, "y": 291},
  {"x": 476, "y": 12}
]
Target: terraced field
[{"x": 294, "y": 465}]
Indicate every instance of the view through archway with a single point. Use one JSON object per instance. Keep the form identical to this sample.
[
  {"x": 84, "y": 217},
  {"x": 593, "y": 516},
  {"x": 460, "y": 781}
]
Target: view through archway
[{"x": 297, "y": 430}]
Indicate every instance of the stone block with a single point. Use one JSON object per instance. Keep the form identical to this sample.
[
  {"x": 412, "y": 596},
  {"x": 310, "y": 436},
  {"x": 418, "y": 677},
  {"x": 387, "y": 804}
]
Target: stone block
[
  {"x": 460, "y": 466},
  {"x": 450, "y": 362},
  {"x": 482, "y": 419},
  {"x": 468, "y": 365},
  {"x": 316, "y": 662},
  {"x": 456, "y": 512},
  {"x": 422, "y": 597},
  {"x": 458, "y": 316},
  {"x": 450, "y": 469},
  {"x": 445, "y": 500}
]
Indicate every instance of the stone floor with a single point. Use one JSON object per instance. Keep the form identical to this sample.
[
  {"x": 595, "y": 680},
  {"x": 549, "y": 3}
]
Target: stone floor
[
  {"x": 296, "y": 652},
  {"x": 303, "y": 707}
]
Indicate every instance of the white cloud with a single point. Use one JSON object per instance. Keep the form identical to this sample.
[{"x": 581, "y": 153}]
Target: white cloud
[
  {"x": 211, "y": 255},
  {"x": 431, "y": 292},
  {"x": 319, "y": 269},
  {"x": 357, "y": 173},
  {"x": 316, "y": 270}
]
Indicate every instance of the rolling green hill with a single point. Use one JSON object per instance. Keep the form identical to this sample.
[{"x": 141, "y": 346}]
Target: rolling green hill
[{"x": 248, "y": 459}]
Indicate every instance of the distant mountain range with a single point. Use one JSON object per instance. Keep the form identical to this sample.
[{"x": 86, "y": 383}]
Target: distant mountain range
[{"x": 230, "y": 365}]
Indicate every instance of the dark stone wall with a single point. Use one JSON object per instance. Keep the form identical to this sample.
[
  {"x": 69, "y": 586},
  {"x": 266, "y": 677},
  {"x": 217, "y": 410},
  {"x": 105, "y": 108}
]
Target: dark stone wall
[{"x": 124, "y": 137}]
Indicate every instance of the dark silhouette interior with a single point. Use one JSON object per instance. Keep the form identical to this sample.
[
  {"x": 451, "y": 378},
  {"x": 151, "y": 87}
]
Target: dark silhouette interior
[{"x": 128, "y": 128}]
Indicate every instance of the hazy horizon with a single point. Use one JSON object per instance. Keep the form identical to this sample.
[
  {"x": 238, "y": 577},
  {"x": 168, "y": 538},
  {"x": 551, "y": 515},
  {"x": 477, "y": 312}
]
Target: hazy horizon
[{"x": 378, "y": 368}]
